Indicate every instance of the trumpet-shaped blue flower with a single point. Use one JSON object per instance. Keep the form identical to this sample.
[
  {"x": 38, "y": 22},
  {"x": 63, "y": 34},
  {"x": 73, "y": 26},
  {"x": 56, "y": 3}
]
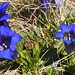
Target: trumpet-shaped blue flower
[
  {"x": 66, "y": 33},
  {"x": 3, "y": 15},
  {"x": 45, "y": 5},
  {"x": 8, "y": 42}
]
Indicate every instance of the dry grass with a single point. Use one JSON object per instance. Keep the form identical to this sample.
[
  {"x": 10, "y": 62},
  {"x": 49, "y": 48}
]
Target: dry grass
[{"x": 19, "y": 17}]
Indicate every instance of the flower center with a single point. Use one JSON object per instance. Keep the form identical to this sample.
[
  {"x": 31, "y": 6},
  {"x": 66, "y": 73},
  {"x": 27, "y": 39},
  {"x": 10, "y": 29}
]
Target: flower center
[
  {"x": 69, "y": 36},
  {"x": 5, "y": 42},
  {"x": 5, "y": 46}
]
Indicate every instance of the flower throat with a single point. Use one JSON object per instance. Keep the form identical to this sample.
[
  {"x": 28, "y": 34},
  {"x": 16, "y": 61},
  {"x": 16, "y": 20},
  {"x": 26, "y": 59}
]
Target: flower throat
[{"x": 69, "y": 36}]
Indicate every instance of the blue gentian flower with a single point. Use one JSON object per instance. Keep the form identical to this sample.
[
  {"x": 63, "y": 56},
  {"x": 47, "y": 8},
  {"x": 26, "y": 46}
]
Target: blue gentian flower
[
  {"x": 45, "y": 5},
  {"x": 67, "y": 34},
  {"x": 8, "y": 41},
  {"x": 3, "y": 15}
]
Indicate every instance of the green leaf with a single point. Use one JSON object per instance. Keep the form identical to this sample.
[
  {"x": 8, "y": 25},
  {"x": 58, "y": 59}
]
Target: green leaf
[{"x": 60, "y": 46}]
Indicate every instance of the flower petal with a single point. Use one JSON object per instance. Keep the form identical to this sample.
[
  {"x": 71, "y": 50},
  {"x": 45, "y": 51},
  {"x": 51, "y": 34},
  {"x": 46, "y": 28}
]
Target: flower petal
[
  {"x": 68, "y": 42},
  {"x": 73, "y": 40},
  {"x": 44, "y": 5},
  {"x": 45, "y": 1},
  {"x": 73, "y": 28},
  {"x": 12, "y": 47},
  {"x": 15, "y": 39},
  {"x": 6, "y": 54},
  {"x": 59, "y": 35},
  {"x": 0, "y": 7},
  {"x": 64, "y": 28},
  {"x": 4, "y": 30},
  {"x": 11, "y": 33},
  {"x": 4, "y": 17},
  {"x": 45, "y": 9},
  {"x": 4, "y": 6},
  {"x": 0, "y": 40}
]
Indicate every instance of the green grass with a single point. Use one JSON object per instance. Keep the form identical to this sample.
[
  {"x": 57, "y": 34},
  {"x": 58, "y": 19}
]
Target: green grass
[{"x": 40, "y": 52}]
